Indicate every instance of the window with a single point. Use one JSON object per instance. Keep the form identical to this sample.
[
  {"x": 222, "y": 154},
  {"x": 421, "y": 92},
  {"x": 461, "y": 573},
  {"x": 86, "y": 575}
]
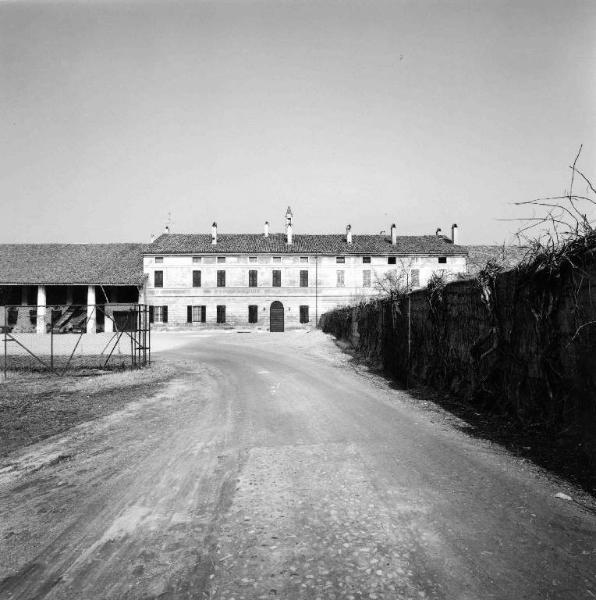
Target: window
[
  {"x": 304, "y": 314},
  {"x": 415, "y": 277},
  {"x": 276, "y": 278},
  {"x": 365, "y": 278},
  {"x": 196, "y": 314},
  {"x": 277, "y": 259},
  {"x": 158, "y": 260},
  {"x": 442, "y": 259},
  {"x": 221, "y": 259},
  {"x": 340, "y": 279},
  {"x": 252, "y": 259},
  {"x": 304, "y": 259},
  {"x": 196, "y": 259},
  {"x": 158, "y": 314},
  {"x": 303, "y": 278},
  {"x": 252, "y": 278},
  {"x": 340, "y": 259},
  {"x": 158, "y": 279},
  {"x": 253, "y": 313},
  {"x": 391, "y": 260},
  {"x": 196, "y": 279},
  {"x": 366, "y": 260},
  {"x": 221, "y": 279},
  {"x": 221, "y": 313}
]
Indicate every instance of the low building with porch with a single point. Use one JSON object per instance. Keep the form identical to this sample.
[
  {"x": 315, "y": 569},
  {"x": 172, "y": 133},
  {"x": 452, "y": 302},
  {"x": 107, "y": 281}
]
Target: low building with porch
[{"x": 62, "y": 286}]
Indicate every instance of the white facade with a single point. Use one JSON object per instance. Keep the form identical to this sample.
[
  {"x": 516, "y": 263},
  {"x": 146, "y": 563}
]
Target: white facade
[{"x": 332, "y": 280}]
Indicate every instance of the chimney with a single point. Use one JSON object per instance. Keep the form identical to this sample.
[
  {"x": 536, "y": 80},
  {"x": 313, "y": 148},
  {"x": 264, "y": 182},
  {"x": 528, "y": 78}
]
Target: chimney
[
  {"x": 153, "y": 236},
  {"x": 214, "y": 233},
  {"x": 288, "y": 218},
  {"x": 438, "y": 231},
  {"x": 393, "y": 234},
  {"x": 454, "y": 234},
  {"x": 266, "y": 228},
  {"x": 349, "y": 234},
  {"x": 289, "y": 233},
  {"x": 166, "y": 229}
]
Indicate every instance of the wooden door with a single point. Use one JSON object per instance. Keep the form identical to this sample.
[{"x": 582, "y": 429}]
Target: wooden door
[{"x": 276, "y": 316}]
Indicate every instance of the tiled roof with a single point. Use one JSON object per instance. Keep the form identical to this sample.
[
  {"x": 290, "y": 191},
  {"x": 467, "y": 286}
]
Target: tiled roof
[
  {"x": 329, "y": 244},
  {"x": 85, "y": 264},
  {"x": 507, "y": 256}
]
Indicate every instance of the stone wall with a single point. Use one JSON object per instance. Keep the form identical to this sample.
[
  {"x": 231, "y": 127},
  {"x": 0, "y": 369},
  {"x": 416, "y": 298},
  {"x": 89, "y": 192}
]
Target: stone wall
[{"x": 522, "y": 343}]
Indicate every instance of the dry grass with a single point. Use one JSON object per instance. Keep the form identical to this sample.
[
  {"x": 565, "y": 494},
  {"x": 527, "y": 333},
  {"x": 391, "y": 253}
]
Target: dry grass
[{"x": 34, "y": 406}]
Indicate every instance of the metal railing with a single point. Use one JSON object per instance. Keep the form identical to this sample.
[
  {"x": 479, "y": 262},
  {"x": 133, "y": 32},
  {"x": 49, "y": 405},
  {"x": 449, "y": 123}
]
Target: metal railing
[{"x": 57, "y": 338}]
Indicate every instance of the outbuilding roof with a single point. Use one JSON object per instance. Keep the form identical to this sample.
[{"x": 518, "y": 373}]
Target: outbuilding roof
[
  {"x": 71, "y": 264},
  {"x": 326, "y": 244}
]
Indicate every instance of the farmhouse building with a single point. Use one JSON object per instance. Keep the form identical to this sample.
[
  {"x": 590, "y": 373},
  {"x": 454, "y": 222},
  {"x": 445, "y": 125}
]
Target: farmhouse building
[
  {"x": 268, "y": 280},
  {"x": 279, "y": 280}
]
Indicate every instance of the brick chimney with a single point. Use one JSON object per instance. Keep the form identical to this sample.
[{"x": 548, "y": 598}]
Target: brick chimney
[
  {"x": 214, "y": 233},
  {"x": 266, "y": 228},
  {"x": 349, "y": 234},
  {"x": 438, "y": 231},
  {"x": 289, "y": 236},
  {"x": 166, "y": 229},
  {"x": 454, "y": 234},
  {"x": 393, "y": 234}
]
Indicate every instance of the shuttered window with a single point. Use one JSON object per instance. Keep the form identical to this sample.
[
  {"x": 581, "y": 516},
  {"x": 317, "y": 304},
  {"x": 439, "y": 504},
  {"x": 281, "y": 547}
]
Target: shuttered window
[
  {"x": 196, "y": 279},
  {"x": 366, "y": 260},
  {"x": 253, "y": 313},
  {"x": 252, "y": 278},
  {"x": 158, "y": 279},
  {"x": 276, "y": 278},
  {"x": 340, "y": 279},
  {"x": 160, "y": 314},
  {"x": 304, "y": 314},
  {"x": 303, "y": 278},
  {"x": 221, "y": 313},
  {"x": 196, "y": 314},
  {"x": 221, "y": 279}
]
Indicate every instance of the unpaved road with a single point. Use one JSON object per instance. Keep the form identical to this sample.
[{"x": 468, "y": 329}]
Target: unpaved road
[{"x": 270, "y": 468}]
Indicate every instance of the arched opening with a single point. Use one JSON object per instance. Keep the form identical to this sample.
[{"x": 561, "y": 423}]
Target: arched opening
[{"x": 276, "y": 316}]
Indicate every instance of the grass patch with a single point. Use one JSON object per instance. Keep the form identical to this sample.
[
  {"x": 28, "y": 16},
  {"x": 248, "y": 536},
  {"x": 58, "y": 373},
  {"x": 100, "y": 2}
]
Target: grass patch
[{"x": 34, "y": 405}]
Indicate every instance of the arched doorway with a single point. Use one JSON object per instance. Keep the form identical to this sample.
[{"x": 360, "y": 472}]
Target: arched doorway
[{"x": 276, "y": 316}]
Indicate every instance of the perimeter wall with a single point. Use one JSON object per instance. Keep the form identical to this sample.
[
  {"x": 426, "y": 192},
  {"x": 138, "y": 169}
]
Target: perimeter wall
[{"x": 522, "y": 342}]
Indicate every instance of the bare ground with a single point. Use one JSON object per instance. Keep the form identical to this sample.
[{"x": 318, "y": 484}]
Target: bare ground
[{"x": 268, "y": 467}]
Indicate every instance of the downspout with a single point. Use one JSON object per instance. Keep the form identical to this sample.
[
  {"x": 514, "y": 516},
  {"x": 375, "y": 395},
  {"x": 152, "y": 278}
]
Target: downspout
[{"x": 316, "y": 290}]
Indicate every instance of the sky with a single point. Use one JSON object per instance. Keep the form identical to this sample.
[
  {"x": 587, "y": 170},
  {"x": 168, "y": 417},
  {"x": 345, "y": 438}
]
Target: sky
[{"x": 117, "y": 117}]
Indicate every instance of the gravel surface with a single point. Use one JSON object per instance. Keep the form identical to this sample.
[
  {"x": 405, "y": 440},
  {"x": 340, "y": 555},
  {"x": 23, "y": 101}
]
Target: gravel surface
[{"x": 269, "y": 467}]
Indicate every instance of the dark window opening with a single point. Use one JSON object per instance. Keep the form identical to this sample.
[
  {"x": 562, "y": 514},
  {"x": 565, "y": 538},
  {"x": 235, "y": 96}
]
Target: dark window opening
[
  {"x": 252, "y": 278},
  {"x": 253, "y": 313},
  {"x": 303, "y": 278},
  {"x": 158, "y": 279},
  {"x": 391, "y": 260},
  {"x": 366, "y": 260},
  {"x": 304, "y": 314},
  {"x": 442, "y": 259},
  {"x": 340, "y": 259},
  {"x": 221, "y": 279},
  {"x": 196, "y": 279},
  {"x": 221, "y": 313},
  {"x": 276, "y": 278}
]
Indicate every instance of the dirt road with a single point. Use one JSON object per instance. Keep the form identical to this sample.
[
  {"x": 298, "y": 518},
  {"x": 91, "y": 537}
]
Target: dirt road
[{"x": 270, "y": 468}]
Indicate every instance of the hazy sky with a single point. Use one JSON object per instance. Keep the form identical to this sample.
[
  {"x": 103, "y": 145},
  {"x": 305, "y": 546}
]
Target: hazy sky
[{"x": 422, "y": 113}]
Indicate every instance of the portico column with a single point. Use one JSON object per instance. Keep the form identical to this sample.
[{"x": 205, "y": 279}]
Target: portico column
[
  {"x": 108, "y": 311},
  {"x": 41, "y": 309},
  {"x": 91, "y": 309}
]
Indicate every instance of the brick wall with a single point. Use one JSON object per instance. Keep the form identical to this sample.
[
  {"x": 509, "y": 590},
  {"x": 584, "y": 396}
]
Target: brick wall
[{"x": 524, "y": 345}]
